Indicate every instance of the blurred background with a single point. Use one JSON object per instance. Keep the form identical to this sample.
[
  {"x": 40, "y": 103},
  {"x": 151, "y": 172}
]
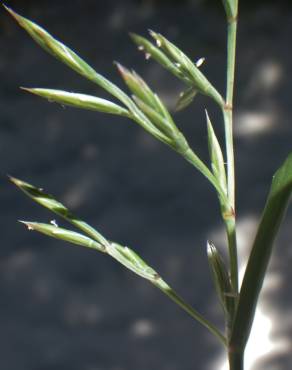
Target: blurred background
[{"x": 70, "y": 308}]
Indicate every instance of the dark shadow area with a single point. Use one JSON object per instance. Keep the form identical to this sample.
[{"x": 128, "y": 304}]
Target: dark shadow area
[{"x": 69, "y": 308}]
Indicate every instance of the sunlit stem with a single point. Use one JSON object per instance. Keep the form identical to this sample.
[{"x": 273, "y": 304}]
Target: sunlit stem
[{"x": 229, "y": 216}]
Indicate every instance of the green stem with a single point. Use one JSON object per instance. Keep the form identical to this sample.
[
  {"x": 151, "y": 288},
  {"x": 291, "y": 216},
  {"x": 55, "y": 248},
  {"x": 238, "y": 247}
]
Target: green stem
[
  {"x": 194, "y": 160},
  {"x": 232, "y": 249},
  {"x": 228, "y": 109},
  {"x": 229, "y": 216},
  {"x": 228, "y": 124},
  {"x": 166, "y": 289},
  {"x": 236, "y": 359}
]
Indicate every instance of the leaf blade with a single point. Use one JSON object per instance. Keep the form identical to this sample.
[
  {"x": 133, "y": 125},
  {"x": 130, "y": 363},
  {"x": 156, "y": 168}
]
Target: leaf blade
[{"x": 272, "y": 217}]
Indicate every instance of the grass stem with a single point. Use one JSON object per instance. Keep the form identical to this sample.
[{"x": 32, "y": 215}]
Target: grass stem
[
  {"x": 236, "y": 359},
  {"x": 230, "y": 220},
  {"x": 192, "y": 312}
]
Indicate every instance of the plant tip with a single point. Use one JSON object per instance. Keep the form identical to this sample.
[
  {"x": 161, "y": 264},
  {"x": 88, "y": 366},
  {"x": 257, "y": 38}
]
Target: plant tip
[
  {"x": 152, "y": 33},
  {"x": 27, "y": 224},
  {"x": 14, "y": 180},
  {"x": 25, "y": 88},
  {"x": 13, "y": 13},
  {"x": 6, "y": 7},
  {"x": 119, "y": 66},
  {"x": 134, "y": 36},
  {"x": 122, "y": 70},
  {"x": 207, "y": 115}
]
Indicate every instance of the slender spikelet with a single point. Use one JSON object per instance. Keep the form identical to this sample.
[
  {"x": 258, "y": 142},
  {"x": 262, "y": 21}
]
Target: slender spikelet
[
  {"x": 186, "y": 98},
  {"x": 217, "y": 160},
  {"x": 174, "y": 60},
  {"x": 149, "y": 49},
  {"x": 221, "y": 279},
  {"x": 68, "y": 57},
  {"x": 64, "y": 234},
  {"x": 48, "y": 201},
  {"x": 77, "y": 100}
]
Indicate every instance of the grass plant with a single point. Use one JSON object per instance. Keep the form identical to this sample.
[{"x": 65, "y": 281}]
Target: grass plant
[{"x": 145, "y": 108}]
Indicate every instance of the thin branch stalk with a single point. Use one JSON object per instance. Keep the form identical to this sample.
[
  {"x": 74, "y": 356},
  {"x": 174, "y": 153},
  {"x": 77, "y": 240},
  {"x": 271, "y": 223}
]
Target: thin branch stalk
[{"x": 193, "y": 313}]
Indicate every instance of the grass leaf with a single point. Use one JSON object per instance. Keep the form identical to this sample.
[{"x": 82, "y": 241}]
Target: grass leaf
[{"x": 259, "y": 258}]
